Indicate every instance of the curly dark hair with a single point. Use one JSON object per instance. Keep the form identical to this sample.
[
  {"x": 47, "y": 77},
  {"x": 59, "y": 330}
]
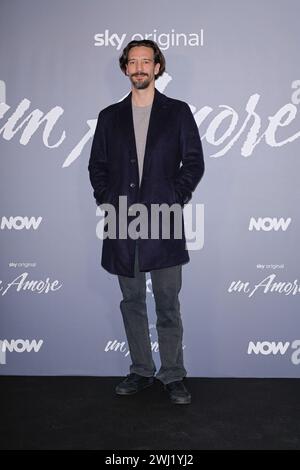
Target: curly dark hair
[{"x": 158, "y": 55}]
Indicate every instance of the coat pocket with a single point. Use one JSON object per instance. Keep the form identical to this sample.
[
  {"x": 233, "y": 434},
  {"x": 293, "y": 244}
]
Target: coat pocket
[{"x": 160, "y": 191}]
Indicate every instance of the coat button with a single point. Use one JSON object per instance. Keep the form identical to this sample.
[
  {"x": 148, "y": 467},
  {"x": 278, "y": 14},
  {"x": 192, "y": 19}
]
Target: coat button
[
  {"x": 132, "y": 185},
  {"x": 132, "y": 160}
]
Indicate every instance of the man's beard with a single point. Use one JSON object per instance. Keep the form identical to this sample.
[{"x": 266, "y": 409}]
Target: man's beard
[{"x": 140, "y": 84}]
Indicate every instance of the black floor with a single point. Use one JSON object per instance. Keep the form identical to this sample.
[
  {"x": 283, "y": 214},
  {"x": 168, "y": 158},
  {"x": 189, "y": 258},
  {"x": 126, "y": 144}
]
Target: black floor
[{"x": 84, "y": 413}]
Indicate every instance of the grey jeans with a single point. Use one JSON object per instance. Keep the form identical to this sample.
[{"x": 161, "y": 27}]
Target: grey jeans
[{"x": 166, "y": 284}]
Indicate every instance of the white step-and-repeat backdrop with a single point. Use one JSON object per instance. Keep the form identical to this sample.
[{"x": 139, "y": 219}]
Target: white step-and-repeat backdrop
[{"x": 236, "y": 63}]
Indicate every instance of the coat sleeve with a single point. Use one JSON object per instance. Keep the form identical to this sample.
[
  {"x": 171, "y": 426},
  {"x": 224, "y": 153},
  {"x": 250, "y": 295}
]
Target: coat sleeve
[
  {"x": 192, "y": 168},
  {"x": 98, "y": 166}
]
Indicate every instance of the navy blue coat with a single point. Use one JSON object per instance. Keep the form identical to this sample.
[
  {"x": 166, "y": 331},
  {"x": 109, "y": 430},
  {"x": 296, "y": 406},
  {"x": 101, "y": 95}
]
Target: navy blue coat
[{"x": 173, "y": 167}]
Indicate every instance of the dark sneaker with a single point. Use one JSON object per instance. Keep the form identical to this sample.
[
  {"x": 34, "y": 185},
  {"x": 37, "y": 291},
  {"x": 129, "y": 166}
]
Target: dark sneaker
[
  {"x": 178, "y": 393},
  {"x": 133, "y": 383}
]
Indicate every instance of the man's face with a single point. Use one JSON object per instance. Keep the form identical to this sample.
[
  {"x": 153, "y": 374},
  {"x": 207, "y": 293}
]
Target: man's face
[{"x": 140, "y": 67}]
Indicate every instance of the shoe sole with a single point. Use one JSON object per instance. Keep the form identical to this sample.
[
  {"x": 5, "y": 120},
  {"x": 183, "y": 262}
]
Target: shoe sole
[
  {"x": 182, "y": 402},
  {"x": 179, "y": 401},
  {"x": 120, "y": 392}
]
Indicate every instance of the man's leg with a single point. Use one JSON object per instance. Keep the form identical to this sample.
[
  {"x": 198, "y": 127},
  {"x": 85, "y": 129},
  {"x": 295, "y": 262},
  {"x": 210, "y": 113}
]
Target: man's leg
[
  {"x": 166, "y": 285},
  {"x": 134, "y": 312}
]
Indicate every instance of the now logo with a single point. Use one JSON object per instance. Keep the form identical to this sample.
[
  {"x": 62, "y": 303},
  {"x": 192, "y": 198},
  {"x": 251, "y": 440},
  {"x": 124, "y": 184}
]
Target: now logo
[
  {"x": 19, "y": 346},
  {"x": 19, "y": 223},
  {"x": 267, "y": 347},
  {"x": 280, "y": 347},
  {"x": 269, "y": 223}
]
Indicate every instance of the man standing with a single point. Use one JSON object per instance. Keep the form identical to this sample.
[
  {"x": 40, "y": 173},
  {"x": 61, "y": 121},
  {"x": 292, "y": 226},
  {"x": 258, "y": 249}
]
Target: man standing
[{"x": 147, "y": 148}]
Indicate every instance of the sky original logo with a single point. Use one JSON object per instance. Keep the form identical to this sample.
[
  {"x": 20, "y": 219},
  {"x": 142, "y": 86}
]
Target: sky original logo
[{"x": 163, "y": 39}]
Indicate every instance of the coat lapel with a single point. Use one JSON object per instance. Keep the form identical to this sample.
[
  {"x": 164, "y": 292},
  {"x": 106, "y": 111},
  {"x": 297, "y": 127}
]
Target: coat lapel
[
  {"x": 126, "y": 125},
  {"x": 157, "y": 117}
]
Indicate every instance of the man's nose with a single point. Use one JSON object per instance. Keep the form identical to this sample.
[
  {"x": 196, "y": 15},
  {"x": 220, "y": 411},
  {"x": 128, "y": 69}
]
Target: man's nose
[{"x": 139, "y": 67}]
